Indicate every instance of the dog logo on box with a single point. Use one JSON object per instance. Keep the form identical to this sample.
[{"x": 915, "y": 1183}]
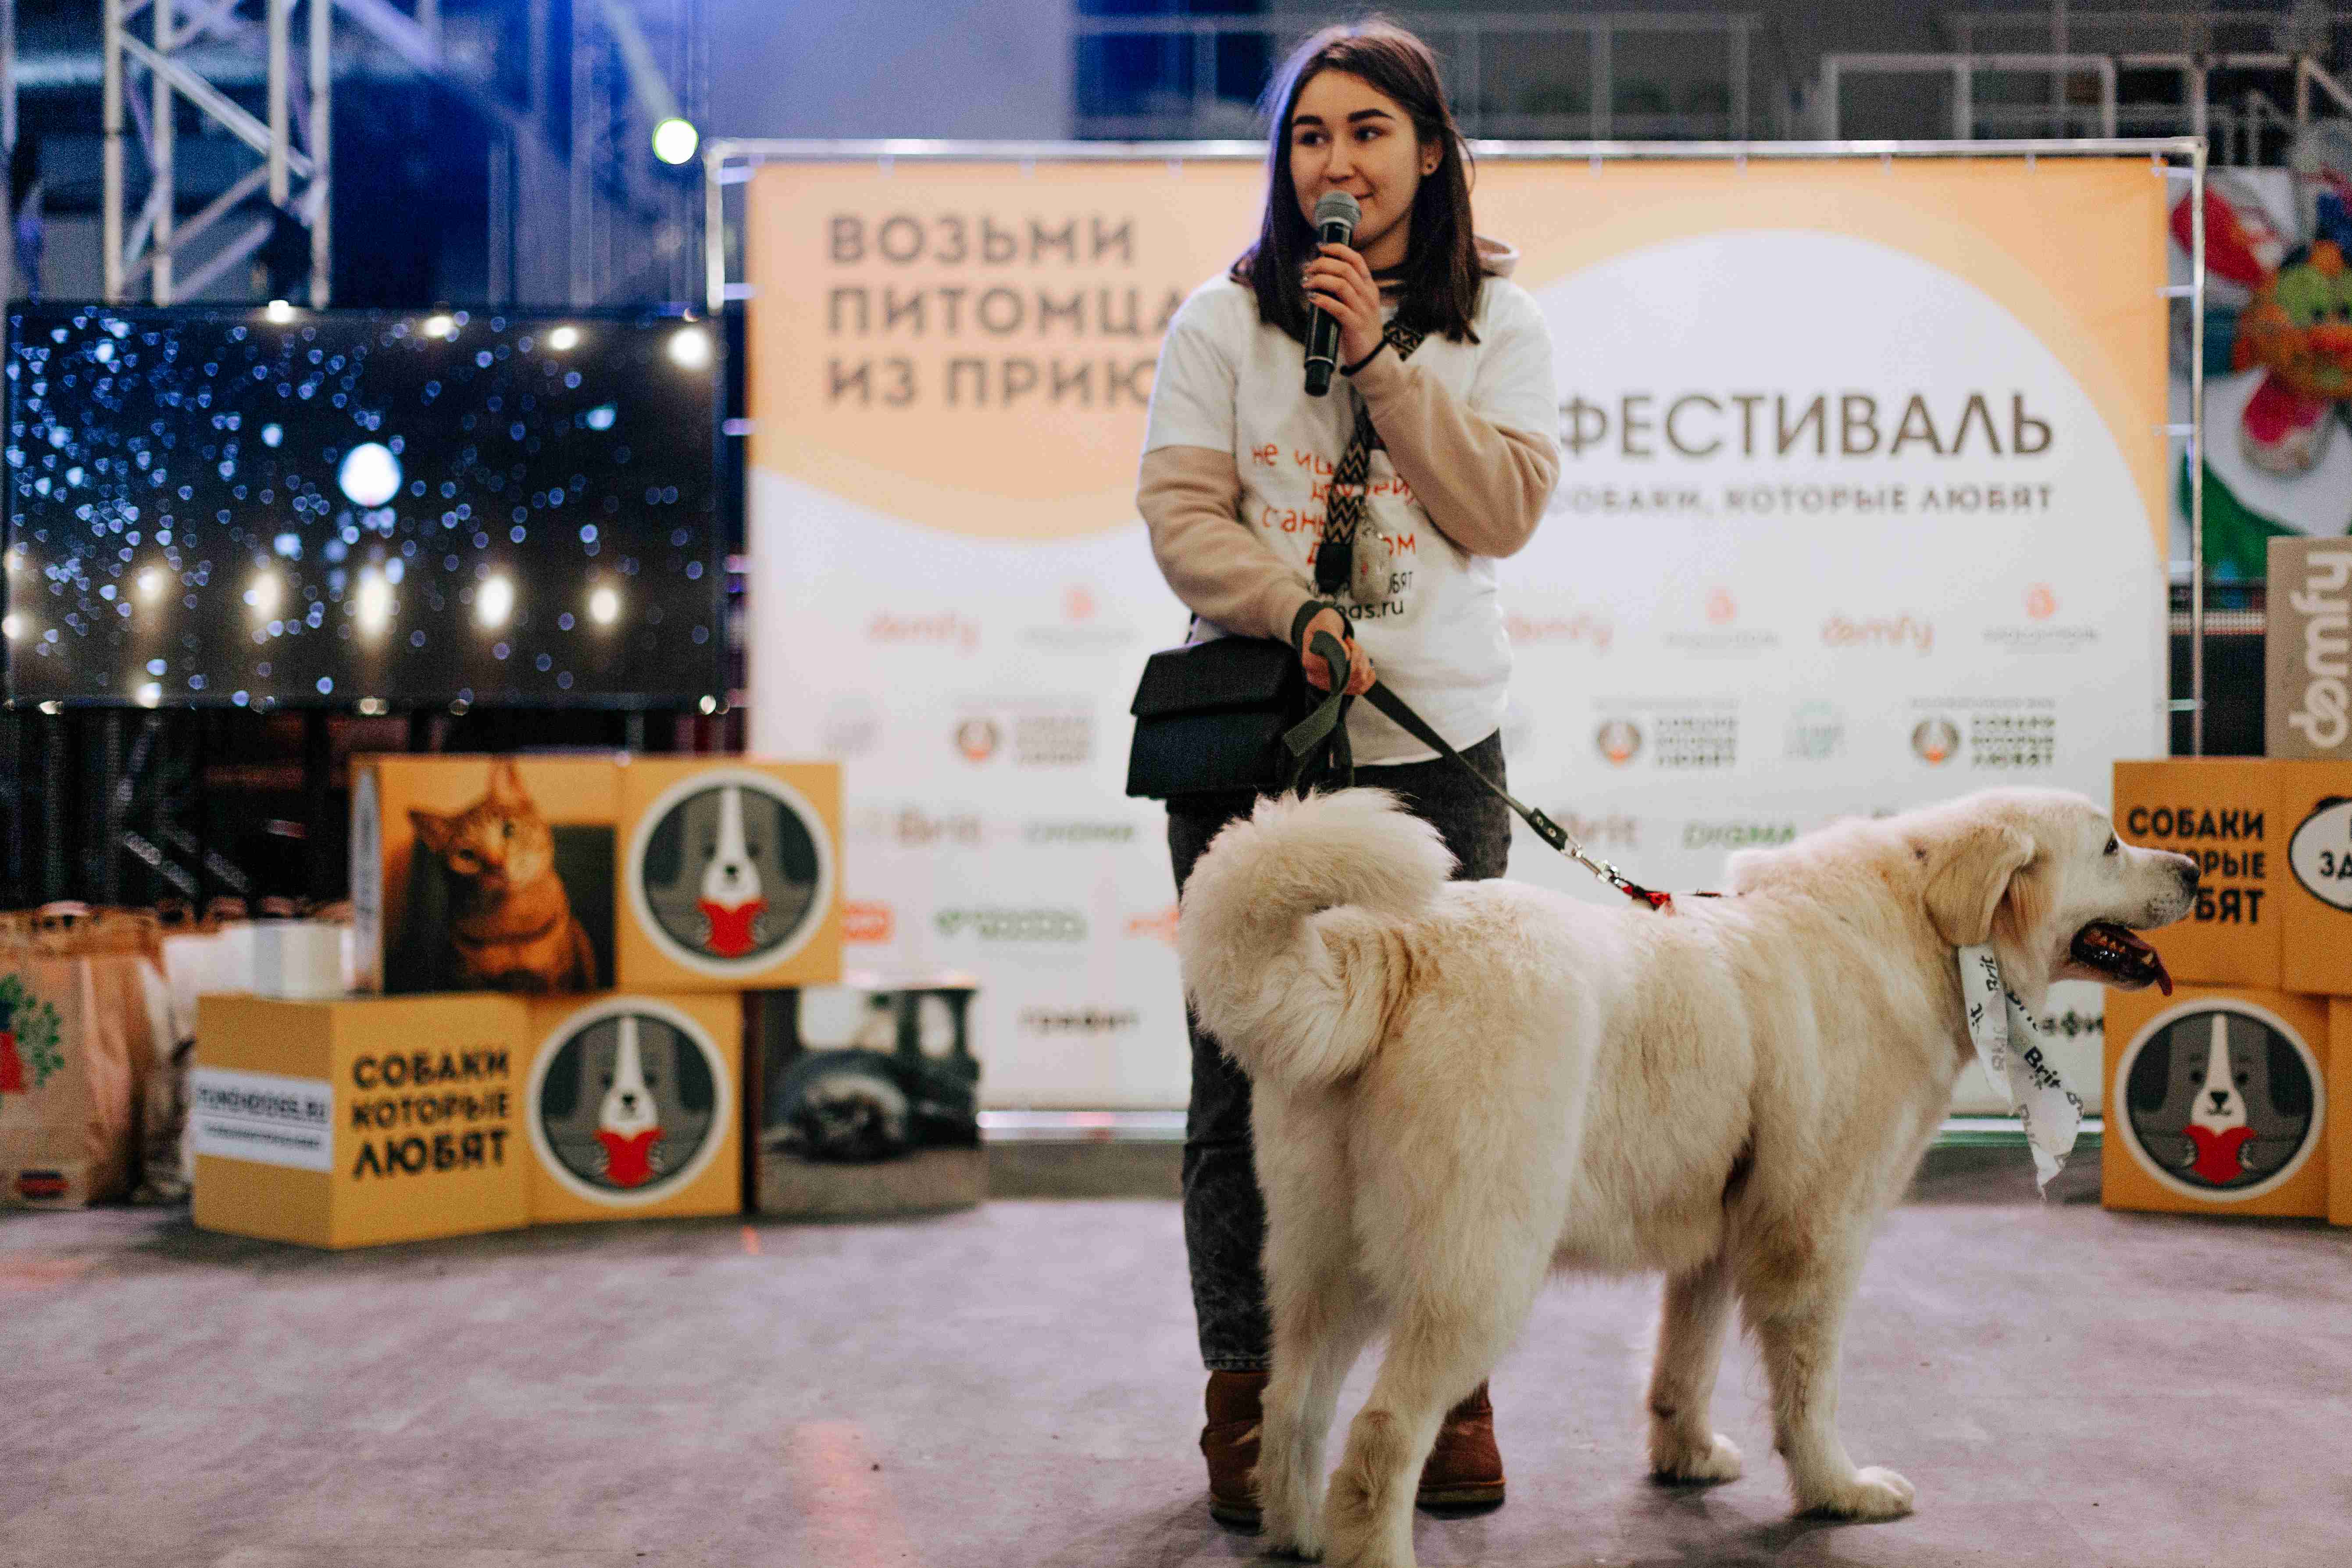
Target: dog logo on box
[
  {"x": 2223, "y": 1100},
  {"x": 730, "y": 872},
  {"x": 627, "y": 1103}
]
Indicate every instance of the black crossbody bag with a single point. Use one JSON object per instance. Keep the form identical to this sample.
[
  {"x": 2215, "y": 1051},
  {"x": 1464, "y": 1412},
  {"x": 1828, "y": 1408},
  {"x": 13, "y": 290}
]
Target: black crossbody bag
[{"x": 1237, "y": 714}]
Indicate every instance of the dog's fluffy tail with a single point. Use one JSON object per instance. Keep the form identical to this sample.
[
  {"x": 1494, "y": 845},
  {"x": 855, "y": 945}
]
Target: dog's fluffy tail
[{"x": 1286, "y": 1004}]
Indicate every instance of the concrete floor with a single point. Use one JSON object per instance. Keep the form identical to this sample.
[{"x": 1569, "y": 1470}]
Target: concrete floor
[{"x": 1016, "y": 1386}]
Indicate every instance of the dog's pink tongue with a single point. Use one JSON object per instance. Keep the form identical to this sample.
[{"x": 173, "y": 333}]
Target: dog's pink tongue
[
  {"x": 628, "y": 1158},
  {"x": 730, "y": 929}
]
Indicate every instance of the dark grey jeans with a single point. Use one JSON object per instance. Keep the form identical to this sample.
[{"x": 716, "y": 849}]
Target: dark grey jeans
[{"x": 1224, "y": 1213}]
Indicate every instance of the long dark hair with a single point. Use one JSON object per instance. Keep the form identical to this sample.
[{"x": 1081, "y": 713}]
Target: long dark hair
[{"x": 1442, "y": 269}]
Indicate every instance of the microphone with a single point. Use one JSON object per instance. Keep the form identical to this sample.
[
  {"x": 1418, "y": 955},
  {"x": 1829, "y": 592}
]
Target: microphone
[{"x": 1335, "y": 223}]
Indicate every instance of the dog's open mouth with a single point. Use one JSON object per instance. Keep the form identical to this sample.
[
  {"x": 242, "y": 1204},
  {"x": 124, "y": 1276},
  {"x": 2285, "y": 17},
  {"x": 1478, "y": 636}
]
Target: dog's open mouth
[{"x": 2118, "y": 953}]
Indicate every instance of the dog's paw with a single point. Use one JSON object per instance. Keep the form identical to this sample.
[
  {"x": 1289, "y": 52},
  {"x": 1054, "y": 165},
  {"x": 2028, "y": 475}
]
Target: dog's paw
[
  {"x": 1873, "y": 1493},
  {"x": 1295, "y": 1533},
  {"x": 1299, "y": 1545},
  {"x": 1719, "y": 1461}
]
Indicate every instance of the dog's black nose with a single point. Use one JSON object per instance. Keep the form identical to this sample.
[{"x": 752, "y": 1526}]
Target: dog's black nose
[
  {"x": 2220, "y": 1096},
  {"x": 2187, "y": 873}
]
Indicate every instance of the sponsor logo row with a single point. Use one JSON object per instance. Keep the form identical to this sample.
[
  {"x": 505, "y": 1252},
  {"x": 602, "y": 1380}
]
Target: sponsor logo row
[
  {"x": 1723, "y": 627},
  {"x": 1707, "y": 734},
  {"x": 957, "y": 826},
  {"x": 1025, "y": 733},
  {"x": 1697, "y": 734},
  {"x": 978, "y": 927}
]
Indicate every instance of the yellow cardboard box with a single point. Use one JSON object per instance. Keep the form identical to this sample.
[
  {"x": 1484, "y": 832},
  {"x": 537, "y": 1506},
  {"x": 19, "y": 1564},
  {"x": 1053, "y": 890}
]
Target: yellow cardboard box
[
  {"x": 2225, "y": 814},
  {"x": 359, "y": 1121},
  {"x": 474, "y": 873},
  {"x": 729, "y": 874},
  {"x": 2315, "y": 882},
  {"x": 2216, "y": 1102},
  {"x": 631, "y": 1106}
]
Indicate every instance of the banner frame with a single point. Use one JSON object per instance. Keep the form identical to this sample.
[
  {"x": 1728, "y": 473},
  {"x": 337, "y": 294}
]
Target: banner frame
[{"x": 731, "y": 160}]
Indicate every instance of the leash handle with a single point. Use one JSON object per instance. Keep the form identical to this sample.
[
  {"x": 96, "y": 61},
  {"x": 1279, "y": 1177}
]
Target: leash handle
[
  {"x": 1551, "y": 832},
  {"x": 1326, "y": 724}
]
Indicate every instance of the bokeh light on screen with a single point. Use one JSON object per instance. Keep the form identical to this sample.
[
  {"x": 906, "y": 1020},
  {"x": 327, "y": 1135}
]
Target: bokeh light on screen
[
  {"x": 314, "y": 511},
  {"x": 374, "y": 606},
  {"x": 605, "y": 606},
  {"x": 370, "y": 474},
  {"x": 494, "y": 602}
]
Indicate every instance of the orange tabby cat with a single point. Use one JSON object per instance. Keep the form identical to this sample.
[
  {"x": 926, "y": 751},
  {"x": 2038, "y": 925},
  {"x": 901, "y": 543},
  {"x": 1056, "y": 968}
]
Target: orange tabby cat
[{"x": 511, "y": 926}]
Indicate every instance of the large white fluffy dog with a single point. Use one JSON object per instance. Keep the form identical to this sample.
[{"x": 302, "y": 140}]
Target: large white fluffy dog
[{"x": 1461, "y": 1086}]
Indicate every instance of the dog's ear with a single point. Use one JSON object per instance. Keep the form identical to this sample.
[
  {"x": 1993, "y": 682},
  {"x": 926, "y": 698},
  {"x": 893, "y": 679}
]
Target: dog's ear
[{"x": 1968, "y": 874}]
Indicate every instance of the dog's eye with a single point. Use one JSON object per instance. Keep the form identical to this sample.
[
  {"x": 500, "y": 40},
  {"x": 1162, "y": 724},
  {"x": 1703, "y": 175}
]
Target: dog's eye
[
  {"x": 2240, "y": 1080},
  {"x": 2112, "y": 847},
  {"x": 608, "y": 1080}
]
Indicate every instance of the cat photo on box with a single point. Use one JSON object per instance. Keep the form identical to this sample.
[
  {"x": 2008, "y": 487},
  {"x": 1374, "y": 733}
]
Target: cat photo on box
[{"x": 484, "y": 873}]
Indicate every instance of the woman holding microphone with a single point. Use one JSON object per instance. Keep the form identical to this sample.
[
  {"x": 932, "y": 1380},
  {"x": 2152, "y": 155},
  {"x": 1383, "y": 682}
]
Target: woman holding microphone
[{"x": 1375, "y": 513}]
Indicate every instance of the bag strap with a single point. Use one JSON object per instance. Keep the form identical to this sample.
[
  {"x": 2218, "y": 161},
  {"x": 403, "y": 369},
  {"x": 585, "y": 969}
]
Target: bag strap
[{"x": 1343, "y": 504}]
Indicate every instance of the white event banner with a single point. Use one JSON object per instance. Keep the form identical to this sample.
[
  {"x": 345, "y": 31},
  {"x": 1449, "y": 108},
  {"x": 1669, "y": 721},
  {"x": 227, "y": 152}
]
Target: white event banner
[{"x": 1859, "y": 509}]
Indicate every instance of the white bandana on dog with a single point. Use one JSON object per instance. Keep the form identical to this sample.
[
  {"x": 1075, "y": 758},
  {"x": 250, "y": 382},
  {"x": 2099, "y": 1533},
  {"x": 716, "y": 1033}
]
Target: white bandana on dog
[{"x": 1997, "y": 1019}]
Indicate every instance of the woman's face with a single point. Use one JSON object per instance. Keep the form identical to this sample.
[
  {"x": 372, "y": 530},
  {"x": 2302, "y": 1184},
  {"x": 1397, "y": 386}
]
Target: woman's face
[{"x": 1347, "y": 135}]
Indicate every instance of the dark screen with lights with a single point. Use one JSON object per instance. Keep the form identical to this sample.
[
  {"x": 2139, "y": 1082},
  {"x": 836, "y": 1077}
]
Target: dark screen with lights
[{"x": 278, "y": 507}]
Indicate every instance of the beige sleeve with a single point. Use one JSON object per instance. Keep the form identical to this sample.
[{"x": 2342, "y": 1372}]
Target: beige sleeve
[
  {"x": 1485, "y": 487},
  {"x": 1190, "y": 501}
]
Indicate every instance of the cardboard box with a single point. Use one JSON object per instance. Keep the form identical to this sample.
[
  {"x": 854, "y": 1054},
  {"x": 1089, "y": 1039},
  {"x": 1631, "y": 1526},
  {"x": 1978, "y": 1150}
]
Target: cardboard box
[
  {"x": 868, "y": 1100},
  {"x": 2306, "y": 708},
  {"x": 483, "y": 873},
  {"x": 729, "y": 874},
  {"x": 2216, "y": 1102},
  {"x": 2224, "y": 813},
  {"x": 350, "y": 1122},
  {"x": 2314, "y": 883},
  {"x": 632, "y": 1108},
  {"x": 2339, "y": 1126}
]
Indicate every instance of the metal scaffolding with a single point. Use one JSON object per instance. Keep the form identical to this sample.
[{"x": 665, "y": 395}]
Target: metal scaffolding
[{"x": 146, "y": 260}]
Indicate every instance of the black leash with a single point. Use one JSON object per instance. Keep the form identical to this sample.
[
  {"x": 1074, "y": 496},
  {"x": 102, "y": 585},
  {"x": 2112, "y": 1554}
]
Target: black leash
[{"x": 1326, "y": 728}]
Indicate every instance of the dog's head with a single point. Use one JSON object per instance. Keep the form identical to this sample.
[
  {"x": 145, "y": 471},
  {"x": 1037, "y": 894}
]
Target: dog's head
[{"x": 2041, "y": 875}]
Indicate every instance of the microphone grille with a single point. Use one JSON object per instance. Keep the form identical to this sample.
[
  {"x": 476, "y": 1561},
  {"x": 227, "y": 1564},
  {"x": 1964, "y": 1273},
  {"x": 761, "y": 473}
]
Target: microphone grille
[{"x": 1336, "y": 206}]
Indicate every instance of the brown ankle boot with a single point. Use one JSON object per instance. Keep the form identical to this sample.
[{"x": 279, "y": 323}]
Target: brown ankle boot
[
  {"x": 1229, "y": 1442},
  {"x": 1464, "y": 1469}
]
